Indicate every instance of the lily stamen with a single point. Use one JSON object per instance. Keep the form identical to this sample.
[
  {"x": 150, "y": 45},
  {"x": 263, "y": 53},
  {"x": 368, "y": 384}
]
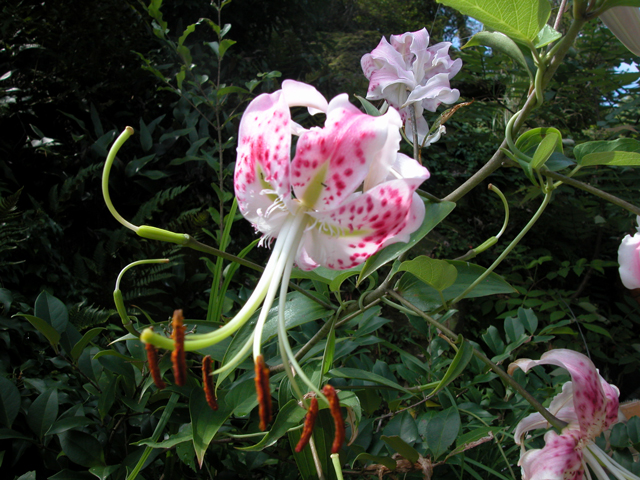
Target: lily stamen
[{"x": 178, "y": 354}]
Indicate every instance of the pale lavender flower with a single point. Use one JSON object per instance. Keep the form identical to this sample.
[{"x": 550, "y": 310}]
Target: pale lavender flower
[{"x": 407, "y": 72}]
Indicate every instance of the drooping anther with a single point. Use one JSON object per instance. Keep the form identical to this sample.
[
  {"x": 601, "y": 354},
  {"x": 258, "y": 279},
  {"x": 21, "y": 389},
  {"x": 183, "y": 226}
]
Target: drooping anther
[
  {"x": 152, "y": 357},
  {"x": 309, "y": 422},
  {"x": 264, "y": 392},
  {"x": 207, "y": 383},
  {"x": 334, "y": 408},
  {"x": 178, "y": 354}
]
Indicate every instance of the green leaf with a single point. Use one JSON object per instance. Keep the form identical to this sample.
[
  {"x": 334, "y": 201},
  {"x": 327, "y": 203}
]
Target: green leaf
[
  {"x": 205, "y": 422},
  {"x": 43, "y": 412},
  {"x": 329, "y": 350},
  {"x": 521, "y": 20},
  {"x": 471, "y": 439},
  {"x": 428, "y": 298},
  {"x": 9, "y": 402},
  {"x": 77, "y": 349},
  {"x": 69, "y": 423},
  {"x": 388, "y": 462},
  {"x": 530, "y": 140},
  {"x": 185, "y": 434},
  {"x": 369, "y": 108},
  {"x": 596, "y": 329},
  {"x": 500, "y": 42},
  {"x": 619, "y": 437},
  {"x": 545, "y": 149},
  {"x": 81, "y": 448},
  {"x": 620, "y": 159},
  {"x": 612, "y": 152},
  {"x": 546, "y": 36},
  {"x": 103, "y": 471},
  {"x": 437, "y": 273},
  {"x": 457, "y": 366},
  {"x": 402, "y": 447},
  {"x": 442, "y": 430},
  {"x": 357, "y": 374},
  {"x": 434, "y": 214},
  {"x": 52, "y": 311},
  {"x": 288, "y": 417}
]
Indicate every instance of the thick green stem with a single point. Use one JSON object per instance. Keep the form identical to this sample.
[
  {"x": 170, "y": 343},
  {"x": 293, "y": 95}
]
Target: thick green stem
[
  {"x": 593, "y": 190},
  {"x": 555, "y": 422}
]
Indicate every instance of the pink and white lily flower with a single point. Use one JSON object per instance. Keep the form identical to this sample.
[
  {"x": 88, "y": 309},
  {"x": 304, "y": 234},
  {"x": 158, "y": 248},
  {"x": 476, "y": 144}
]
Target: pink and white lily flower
[
  {"x": 629, "y": 260},
  {"x": 624, "y": 23},
  {"x": 346, "y": 194},
  {"x": 589, "y": 405},
  {"x": 407, "y": 73}
]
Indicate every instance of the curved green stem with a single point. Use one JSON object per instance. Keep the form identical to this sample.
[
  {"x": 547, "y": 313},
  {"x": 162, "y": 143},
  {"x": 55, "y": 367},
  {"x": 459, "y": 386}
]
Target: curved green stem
[
  {"x": 113, "y": 151},
  {"x": 498, "y": 192},
  {"x": 119, "y": 301},
  {"x": 335, "y": 458},
  {"x": 511, "y": 246}
]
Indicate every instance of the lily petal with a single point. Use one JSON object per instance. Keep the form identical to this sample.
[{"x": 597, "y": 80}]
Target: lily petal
[
  {"x": 560, "y": 459},
  {"x": 436, "y": 91},
  {"x": 624, "y": 23},
  {"x": 331, "y": 163},
  {"x": 629, "y": 260},
  {"x": 263, "y": 160},
  {"x": 561, "y": 407},
  {"x": 589, "y": 400},
  {"x": 298, "y": 94},
  {"x": 347, "y": 236}
]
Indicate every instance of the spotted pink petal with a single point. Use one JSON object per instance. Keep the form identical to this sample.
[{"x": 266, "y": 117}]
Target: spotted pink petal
[
  {"x": 589, "y": 400},
  {"x": 560, "y": 459},
  {"x": 345, "y": 150},
  {"x": 345, "y": 237},
  {"x": 629, "y": 260},
  {"x": 263, "y": 158},
  {"x": 561, "y": 407}
]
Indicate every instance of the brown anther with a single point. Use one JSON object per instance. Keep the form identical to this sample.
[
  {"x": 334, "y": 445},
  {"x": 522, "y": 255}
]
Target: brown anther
[
  {"x": 309, "y": 422},
  {"x": 207, "y": 383},
  {"x": 178, "y": 354},
  {"x": 152, "y": 357},
  {"x": 263, "y": 391},
  {"x": 334, "y": 408}
]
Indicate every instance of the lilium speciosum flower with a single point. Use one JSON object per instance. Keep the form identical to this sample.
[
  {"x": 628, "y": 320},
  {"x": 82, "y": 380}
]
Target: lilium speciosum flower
[
  {"x": 408, "y": 73},
  {"x": 589, "y": 406},
  {"x": 629, "y": 260},
  {"x": 346, "y": 194},
  {"x": 624, "y": 23}
]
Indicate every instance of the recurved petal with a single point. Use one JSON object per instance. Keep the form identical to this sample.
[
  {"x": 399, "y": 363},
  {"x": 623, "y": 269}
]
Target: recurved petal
[
  {"x": 629, "y": 260},
  {"x": 262, "y": 162},
  {"x": 347, "y": 236},
  {"x": 332, "y": 162},
  {"x": 624, "y": 23},
  {"x": 589, "y": 400},
  {"x": 560, "y": 459},
  {"x": 561, "y": 407},
  {"x": 298, "y": 94},
  {"x": 437, "y": 90}
]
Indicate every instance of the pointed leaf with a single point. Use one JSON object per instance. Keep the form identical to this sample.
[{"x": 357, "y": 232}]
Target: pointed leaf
[
  {"x": 501, "y": 43},
  {"x": 205, "y": 422},
  {"x": 402, "y": 447},
  {"x": 77, "y": 349},
  {"x": 442, "y": 430},
  {"x": 388, "y": 462},
  {"x": 288, "y": 417},
  {"x": 81, "y": 448},
  {"x": 52, "y": 310},
  {"x": 437, "y": 273},
  {"x": 521, "y": 20},
  {"x": 603, "y": 152},
  {"x": 44, "y": 328},
  {"x": 43, "y": 412},
  {"x": 545, "y": 149},
  {"x": 457, "y": 366},
  {"x": 9, "y": 402}
]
